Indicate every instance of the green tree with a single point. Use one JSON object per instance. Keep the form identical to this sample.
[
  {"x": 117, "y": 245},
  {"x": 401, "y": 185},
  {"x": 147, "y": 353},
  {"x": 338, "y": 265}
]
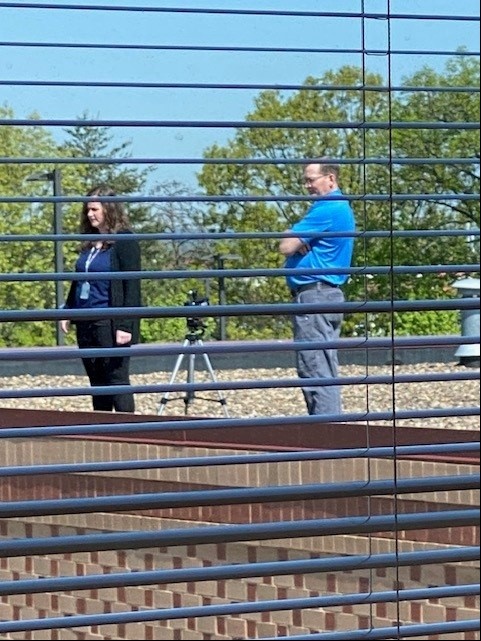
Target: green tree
[
  {"x": 27, "y": 219},
  {"x": 98, "y": 144},
  {"x": 81, "y": 142},
  {"x": 92, "y": 146},
  {"x": 160, "y": 216},
  {"x": 371, "y": 105},
  {"x": 169, "y": 255},
  {"x": 308, "y": 104},
  {"x": 450, "y": 106}
]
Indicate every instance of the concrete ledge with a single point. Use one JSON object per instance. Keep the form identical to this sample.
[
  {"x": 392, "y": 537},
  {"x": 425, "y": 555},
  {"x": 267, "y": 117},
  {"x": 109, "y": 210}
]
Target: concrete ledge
[
  {"x": 277, "y": 437},
  {"x": 35, "y": 363}
]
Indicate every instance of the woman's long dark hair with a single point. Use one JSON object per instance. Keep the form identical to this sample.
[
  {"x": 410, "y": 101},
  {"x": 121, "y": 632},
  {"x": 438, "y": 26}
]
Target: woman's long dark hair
[{"x": 116, "y": 218}]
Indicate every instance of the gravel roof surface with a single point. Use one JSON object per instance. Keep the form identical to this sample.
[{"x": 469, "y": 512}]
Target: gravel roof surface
[{"x": 276, "y": 400}]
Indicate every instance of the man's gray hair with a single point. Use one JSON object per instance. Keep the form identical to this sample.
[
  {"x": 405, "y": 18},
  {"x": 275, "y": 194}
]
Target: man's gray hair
[{"x": 329, "y": 167}]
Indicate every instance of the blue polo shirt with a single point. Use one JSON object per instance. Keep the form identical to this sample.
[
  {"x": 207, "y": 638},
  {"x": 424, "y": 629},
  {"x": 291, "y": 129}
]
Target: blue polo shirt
[{"x": 324, "y": 215}]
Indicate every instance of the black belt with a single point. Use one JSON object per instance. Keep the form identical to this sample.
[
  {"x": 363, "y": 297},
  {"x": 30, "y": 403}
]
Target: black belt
[{"x": 303, "y": 288}]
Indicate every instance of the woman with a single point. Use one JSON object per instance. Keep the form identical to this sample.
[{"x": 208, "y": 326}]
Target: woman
[{"x": 120, "y": 253}]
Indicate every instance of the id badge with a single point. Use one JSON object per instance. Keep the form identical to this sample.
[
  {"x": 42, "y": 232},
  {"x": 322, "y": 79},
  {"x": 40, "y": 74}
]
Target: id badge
[{"x": 85, "y": 291}]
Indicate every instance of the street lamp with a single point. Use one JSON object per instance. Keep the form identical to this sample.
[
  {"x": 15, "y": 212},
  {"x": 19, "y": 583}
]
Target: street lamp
[
  {"x": 55, "y": 178},
  {"x": 219, "y": 263}
]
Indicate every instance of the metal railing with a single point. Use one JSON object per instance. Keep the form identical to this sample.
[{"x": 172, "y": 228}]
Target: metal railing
[{"x": 396, "y": 503}]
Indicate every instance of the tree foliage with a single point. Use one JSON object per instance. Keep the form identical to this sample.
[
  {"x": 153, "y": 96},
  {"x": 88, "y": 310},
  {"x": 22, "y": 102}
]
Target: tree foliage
[
  {"x": 168, "y": 217},
  {"x": 37, "y": 218},
  {"x": 24, "y": 219},
  {"x": 380, "y": 160},
  {"x": 96, "y": 150},
  {"x": 371, "y": 106}
]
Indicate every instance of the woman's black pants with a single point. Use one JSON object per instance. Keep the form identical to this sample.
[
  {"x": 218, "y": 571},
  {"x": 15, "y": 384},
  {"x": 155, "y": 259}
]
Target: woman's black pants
[{"x": 105, "y": 371}]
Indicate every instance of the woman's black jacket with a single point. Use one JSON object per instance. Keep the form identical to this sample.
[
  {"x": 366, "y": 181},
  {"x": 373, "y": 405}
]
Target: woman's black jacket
[{"x": 125, "y": 256}]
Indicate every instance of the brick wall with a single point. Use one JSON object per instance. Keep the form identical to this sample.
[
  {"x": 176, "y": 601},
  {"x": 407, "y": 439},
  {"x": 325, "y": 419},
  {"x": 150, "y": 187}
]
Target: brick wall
[
  {"x": 257, "y": 625},
  {"x": 226, "y": 591}
]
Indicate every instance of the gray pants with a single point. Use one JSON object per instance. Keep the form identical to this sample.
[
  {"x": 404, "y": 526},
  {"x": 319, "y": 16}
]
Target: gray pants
[{"x": 319, "y": 363}]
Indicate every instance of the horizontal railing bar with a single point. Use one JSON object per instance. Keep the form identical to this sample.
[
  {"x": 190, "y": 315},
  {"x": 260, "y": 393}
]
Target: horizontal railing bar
[
  {"x": 239, "y": 49},
  {"x": 238, "y": 571},
  {"x": 245, "y": 124},
  {"x": 293, "y": 383},
  {"x": 237, "y": 273},
  {"x": 136, "y": 540},
  {"x": 239, "y": 459},
  {"x": 275, "y": 198},
  {"x": 235, "y": 347},
  {"x": 81, "y": 160},
  {"x": 387, "y": 596},
  {"x": 236, "y": 86},
  {"x": 243, "y": 12},
  {"x": 368, "y": 234},
  {"x": 163, "y": 425},
  {"x": 278, "y": 383},
  {"x": 205, "y": 311},
  {"x": 393, "y": 632},
  {"x": 237, "y": 496}
]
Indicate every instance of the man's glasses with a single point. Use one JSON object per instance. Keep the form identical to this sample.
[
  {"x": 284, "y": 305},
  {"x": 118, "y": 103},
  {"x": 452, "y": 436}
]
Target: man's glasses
[{"x": 311, "y": 181}]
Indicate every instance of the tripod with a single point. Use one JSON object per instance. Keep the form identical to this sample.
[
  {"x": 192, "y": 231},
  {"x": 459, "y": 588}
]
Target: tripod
[{"x": 192, "y": 338}]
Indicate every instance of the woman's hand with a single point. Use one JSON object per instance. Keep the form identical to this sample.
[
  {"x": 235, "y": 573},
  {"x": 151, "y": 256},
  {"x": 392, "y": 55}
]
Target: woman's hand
[
  {"x": 122, "y": 338},
  {"x": 65, "y": 326}
]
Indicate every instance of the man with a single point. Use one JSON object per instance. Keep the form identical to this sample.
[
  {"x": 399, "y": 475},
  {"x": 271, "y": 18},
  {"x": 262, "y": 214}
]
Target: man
[{"x": 305, "y": 251}]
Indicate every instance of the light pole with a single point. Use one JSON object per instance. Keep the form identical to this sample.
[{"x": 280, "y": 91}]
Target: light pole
[
  {"x": 55, "y": 178},
  {"x": 219, "y": 263}
]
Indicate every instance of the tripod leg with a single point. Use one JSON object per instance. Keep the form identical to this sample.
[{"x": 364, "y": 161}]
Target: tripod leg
[
  {"x": 210, "y": 369},
  {"x": 165, "y": 397},
  {"x": 189, "y": 395}
]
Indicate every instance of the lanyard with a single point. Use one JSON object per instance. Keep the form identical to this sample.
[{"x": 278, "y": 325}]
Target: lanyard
[{"x": 91, "y": 257}]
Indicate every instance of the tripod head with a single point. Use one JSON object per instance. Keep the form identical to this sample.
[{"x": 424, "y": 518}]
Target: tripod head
[
  {"x": 196, "y": 328},
  {"x": 195, "y": 325}
]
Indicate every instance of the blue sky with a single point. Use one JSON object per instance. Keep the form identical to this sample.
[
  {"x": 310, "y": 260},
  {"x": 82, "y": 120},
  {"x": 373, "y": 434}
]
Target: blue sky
[{"x": 22, "y": 24}]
